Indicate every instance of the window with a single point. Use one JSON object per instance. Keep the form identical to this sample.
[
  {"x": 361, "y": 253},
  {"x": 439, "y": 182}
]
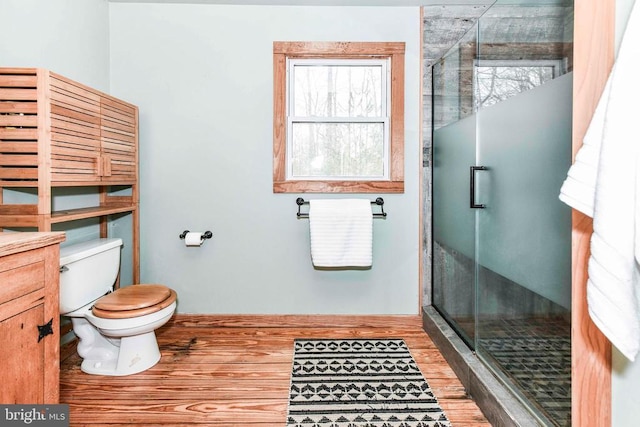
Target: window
[{"x": 338, "y": 117}]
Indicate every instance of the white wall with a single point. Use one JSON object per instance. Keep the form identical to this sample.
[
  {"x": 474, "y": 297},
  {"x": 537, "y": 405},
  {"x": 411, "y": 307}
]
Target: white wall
[
  {"x": 70, "y": 37},
  {"x": 202, "y": 78}
]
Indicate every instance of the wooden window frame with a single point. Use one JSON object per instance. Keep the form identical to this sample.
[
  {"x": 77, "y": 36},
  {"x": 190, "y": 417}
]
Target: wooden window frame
[{"x": 394, "y": 51}]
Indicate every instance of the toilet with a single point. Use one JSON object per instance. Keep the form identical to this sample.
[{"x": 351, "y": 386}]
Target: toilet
[{"x": 116, "y": 329}]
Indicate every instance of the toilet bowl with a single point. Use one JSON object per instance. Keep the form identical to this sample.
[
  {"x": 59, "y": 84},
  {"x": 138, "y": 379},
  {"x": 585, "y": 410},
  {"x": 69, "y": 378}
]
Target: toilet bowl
[{"x": 116, "y": 330}]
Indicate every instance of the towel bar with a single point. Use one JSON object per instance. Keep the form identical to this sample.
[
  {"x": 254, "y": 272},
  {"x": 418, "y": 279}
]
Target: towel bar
[{"x": 379, "y": 201}]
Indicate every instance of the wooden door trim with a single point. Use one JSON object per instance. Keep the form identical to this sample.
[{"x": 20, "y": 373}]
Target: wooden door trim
[{"x": 591, "y": 351}]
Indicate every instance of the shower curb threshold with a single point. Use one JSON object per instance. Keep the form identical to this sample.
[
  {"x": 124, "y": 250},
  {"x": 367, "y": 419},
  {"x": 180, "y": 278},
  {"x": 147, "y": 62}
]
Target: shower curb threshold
[{"x": 497, "y": 403}]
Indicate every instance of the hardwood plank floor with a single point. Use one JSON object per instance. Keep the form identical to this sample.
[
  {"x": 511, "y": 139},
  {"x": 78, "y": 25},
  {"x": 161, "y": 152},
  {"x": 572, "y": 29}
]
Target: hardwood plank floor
[{"x": 235, "y": 371}]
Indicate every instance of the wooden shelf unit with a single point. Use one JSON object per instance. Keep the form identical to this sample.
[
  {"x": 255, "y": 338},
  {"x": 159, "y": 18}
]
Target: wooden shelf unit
[{"x": 55, "y": 132}]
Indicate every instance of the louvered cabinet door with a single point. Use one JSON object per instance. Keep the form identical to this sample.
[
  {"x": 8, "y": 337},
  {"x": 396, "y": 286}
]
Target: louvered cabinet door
[
  {"x": 119, "y": 141},
  {"x": 75, "y": 132}
]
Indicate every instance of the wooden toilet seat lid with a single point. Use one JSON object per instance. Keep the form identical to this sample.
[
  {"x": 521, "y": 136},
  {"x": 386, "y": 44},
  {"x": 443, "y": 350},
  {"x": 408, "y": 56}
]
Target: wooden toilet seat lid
[{"x": 133, "y": 301}]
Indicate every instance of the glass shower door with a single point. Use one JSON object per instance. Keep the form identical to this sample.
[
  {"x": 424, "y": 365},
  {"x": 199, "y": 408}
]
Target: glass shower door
[
  {"x": 523, "y": 234},
  {"x": 523, "y": 241}
]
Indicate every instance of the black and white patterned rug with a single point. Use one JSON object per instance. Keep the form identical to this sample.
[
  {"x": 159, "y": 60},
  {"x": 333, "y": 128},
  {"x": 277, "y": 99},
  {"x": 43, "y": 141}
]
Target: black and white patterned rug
[{"x": 359, "y": 383}]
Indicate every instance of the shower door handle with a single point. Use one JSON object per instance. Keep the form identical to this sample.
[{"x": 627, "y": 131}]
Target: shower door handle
[{"x": 472, "y": 187}]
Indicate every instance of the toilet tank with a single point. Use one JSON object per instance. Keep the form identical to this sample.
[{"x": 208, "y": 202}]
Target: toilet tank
[{"x": 88, "y": 270}]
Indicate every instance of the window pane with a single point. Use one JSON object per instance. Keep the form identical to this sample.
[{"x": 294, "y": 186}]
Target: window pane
[
  {"x": 337, "y": 91},
  {"x": 336, "y": 150}
]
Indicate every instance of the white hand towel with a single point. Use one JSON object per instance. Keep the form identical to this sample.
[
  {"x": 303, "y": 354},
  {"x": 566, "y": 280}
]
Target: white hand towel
[
  {"x": 604, "y": 182},
  {"x": 341, "y": 232}
]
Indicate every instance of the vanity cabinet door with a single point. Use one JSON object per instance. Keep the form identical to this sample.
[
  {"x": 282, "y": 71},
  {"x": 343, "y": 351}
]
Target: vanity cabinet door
[
  {"x": 29, "y": 315},
  {"x": 23, "y": 357}
]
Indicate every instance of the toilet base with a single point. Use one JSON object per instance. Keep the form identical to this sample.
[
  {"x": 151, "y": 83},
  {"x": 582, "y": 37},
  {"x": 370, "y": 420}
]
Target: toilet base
[
  {"x": 118, "y": 347},
  {"x": 136, "y": 354}
]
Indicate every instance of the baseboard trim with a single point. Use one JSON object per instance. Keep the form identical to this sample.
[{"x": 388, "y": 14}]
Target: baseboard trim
[{"x": 296, "y": 321}]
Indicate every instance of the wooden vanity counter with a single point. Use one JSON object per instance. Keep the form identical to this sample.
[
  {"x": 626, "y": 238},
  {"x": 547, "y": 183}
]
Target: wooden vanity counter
[{"x": 11, "y": 243}]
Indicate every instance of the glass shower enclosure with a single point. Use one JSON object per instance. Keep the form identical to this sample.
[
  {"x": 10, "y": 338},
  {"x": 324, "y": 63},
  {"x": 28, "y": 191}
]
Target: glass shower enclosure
[{"x": 502, "y": 102}]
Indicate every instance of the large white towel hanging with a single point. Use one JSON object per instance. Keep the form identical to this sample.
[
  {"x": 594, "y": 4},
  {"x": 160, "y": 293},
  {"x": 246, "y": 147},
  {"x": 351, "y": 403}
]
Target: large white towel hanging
[
  {"x": 604, "y": 183},
  {"x": 341, "y": 232}
]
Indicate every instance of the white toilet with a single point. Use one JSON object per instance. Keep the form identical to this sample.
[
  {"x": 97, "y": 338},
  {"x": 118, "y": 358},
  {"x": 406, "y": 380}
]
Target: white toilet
[{"x": 116, "y": 330}]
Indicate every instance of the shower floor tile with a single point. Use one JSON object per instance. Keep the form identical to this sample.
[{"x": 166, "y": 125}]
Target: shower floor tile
[{"x": 536, "y": 355}]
